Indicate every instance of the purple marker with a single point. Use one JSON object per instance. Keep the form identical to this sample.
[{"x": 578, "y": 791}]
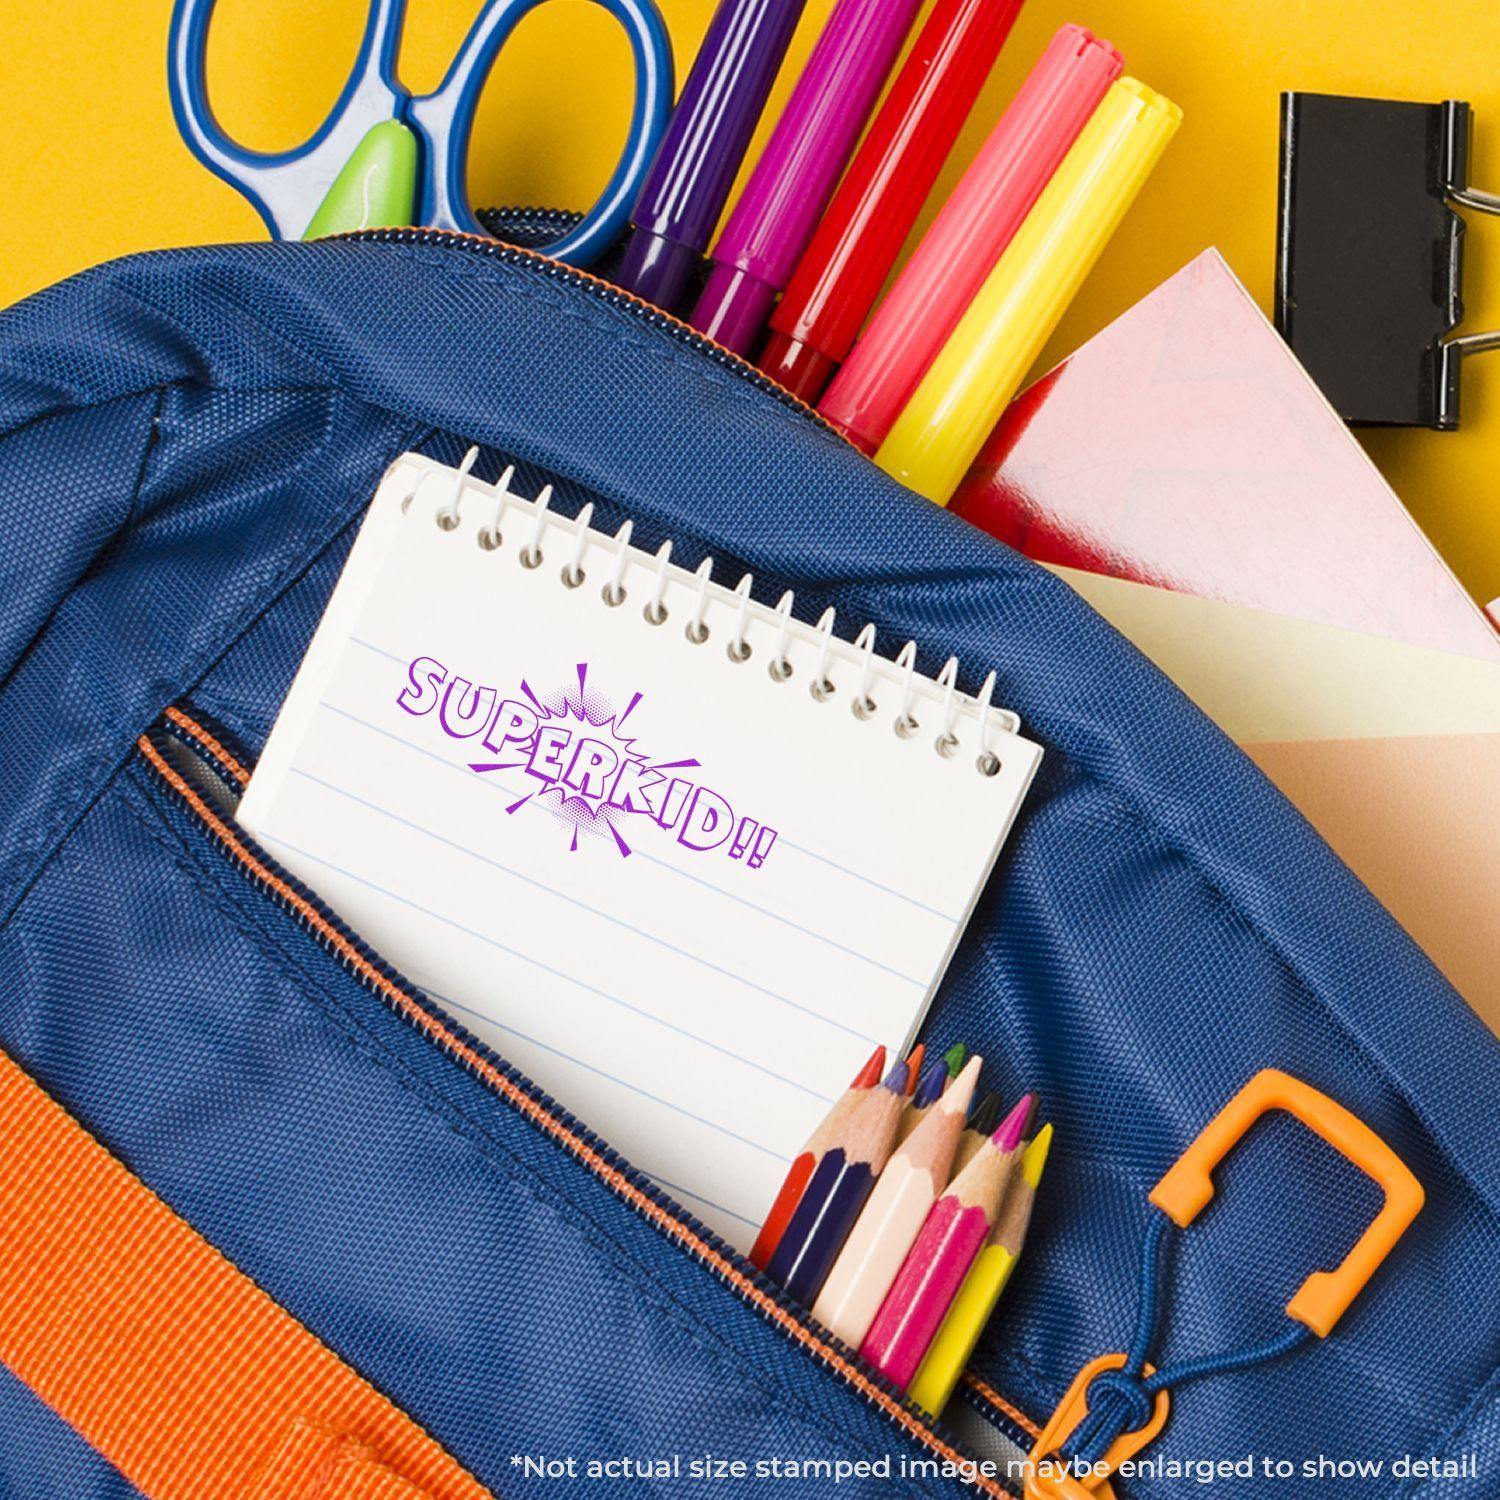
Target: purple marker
[
  {"x": 700, "y": 154},
  {"x": 790, "y": 186}
]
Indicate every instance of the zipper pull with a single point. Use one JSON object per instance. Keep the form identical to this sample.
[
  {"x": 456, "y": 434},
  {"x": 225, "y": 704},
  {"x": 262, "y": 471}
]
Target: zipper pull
[
  {"x": 1129, "y": 1398},
  {"x": 1051, "y": 1476}
]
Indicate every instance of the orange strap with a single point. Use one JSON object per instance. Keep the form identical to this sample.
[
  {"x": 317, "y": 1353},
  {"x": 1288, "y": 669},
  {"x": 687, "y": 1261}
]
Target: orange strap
[{"x": 165, "y": 1358}]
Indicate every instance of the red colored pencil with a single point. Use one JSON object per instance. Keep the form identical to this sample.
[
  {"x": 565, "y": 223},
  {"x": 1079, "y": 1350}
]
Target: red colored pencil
[
  {"x": 806, "y": 1161},
  {"x": 839, "y": 1189}
]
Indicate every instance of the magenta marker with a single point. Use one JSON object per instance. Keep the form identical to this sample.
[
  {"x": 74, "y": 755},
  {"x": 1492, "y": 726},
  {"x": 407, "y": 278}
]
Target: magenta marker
[{"x": 792, "y": 181}]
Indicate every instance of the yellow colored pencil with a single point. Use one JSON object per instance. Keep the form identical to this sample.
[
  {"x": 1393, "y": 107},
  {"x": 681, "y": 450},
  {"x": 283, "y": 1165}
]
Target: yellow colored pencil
[
  {"x": 958, "y": 401},
  {"x": 976, "y": 1299}
]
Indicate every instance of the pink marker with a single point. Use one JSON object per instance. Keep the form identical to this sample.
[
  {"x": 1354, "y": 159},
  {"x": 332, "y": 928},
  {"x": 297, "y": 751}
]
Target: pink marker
[
  {"x": 953, "y": 1235},
  {"x": 780, "y": 205},
  {"x": 968, "y": 236}
]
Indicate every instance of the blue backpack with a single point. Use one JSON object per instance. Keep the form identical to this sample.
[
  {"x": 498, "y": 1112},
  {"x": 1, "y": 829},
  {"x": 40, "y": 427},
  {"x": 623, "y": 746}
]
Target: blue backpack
[{"x": 188, "y": 442}]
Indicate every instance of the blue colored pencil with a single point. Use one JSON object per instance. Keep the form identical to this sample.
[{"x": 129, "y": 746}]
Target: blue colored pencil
[
  {"x": 838, "y": 1190},
  {"x": 929, "y": 1090}
]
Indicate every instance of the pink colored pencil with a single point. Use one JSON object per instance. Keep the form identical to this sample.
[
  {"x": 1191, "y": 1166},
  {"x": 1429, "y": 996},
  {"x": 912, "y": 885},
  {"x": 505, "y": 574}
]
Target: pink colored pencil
[{"x": 932, "y": 1273}]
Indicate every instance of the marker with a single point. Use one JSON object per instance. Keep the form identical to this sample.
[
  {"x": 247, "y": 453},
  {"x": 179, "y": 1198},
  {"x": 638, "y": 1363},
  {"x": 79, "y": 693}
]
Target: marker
[
  {"x": 849, "y": 257},
  {"x": 928, "y": 1091},
  {"x": 706, "y": 139},
  {"x": 981, "y": 1127},
  {"x": 802, "y": 1167},
  {"x": 976, "y": 1300},
  {"x": 894, "y": 1216},
  {"x": 949, "y": 1243},
  {"x": 839, "y": 1188},
  {"x": 770, "y": 224},
  {"x": 969, "y": 235},
  {"x": 960, "y": 398}
]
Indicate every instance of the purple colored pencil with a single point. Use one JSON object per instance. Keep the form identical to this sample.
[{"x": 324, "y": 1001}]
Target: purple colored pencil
[
  {"x": 929, "y": 1090},
  {"x": 838, "y": 1190},
  {"x": 706, "y": 140},
  {"x": 791, "y": 183}
]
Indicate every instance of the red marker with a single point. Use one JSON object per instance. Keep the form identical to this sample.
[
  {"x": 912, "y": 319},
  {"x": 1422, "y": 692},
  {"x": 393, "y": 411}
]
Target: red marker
[
  {"x": 846, "y": 262},
  {"x": 967, "y": 237}
]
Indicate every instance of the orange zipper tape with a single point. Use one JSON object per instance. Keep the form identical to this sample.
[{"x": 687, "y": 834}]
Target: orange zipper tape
[{"x": 164, "y": 1356}]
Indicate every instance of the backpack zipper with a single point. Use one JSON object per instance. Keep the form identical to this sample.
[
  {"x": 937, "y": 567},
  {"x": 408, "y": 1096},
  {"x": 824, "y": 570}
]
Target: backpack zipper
[
  {"x": 637, "y": 1191},
  {"x": 596, "y": 287}
]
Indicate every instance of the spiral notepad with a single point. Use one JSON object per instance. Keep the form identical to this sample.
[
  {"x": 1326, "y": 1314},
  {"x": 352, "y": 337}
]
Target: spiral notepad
[{"x": 680, "y": 856}]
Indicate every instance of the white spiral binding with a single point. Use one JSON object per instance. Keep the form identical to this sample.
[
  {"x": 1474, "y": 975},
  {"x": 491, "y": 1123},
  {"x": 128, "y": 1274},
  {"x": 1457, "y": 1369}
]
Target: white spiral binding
[{"x": 947, "y": 705}]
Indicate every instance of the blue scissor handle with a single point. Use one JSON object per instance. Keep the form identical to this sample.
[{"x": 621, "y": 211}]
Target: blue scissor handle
[
  {"x": 285, "y": 186},
  {"x": 444, "y": 121},
  {"x": 288, "y": 186}
]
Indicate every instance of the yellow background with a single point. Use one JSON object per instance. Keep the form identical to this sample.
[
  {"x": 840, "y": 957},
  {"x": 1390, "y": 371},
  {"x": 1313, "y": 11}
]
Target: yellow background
[{"x": 94, "y": 166}]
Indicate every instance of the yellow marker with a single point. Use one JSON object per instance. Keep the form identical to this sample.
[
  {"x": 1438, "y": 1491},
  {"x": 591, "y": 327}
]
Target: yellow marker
[
  {"x": 981, "y": 1288},
  {"x": 942, "y": 428}
]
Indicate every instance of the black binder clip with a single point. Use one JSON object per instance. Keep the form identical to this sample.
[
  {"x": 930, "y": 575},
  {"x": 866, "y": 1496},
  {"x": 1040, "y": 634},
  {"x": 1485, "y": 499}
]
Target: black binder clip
[{"x": 1369, "y": 253}]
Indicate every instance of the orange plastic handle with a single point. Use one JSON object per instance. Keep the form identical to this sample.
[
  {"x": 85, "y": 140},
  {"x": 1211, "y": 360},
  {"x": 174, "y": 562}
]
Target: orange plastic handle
[{"x": 1321, "y": 1299}]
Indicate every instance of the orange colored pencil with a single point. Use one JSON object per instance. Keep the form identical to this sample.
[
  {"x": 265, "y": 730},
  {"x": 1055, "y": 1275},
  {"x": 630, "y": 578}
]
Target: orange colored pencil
[{"x": 914, "y": 1067}]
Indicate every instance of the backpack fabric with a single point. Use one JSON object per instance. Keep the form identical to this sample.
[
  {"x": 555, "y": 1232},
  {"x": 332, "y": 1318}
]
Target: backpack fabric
[{"x": 187, "y": 442}]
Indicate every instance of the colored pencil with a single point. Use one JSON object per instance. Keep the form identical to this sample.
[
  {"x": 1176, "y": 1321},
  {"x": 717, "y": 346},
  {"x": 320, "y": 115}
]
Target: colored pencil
[
  {"x": 928, "y": 1091},
  {"x": 947, "y": 1246},
  {"x": 894, "y": 1216},
  {"x": 914, "y": 1067},
  {"x": 983, "y": 1285},
  {"x": 838, "y": 1189},
  {"x": 955, "y": 1057},
  {"x": 981, "y": 1127},
  {"x": 801, "y": 1170}
]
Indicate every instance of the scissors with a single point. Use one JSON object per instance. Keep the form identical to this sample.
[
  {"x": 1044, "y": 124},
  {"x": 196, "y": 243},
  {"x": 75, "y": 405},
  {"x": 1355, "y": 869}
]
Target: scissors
[{"x": 385, "y": 156}]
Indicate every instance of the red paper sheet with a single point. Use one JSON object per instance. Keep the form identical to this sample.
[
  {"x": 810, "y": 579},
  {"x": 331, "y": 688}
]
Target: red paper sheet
[{"x": 1185, "y": 447}]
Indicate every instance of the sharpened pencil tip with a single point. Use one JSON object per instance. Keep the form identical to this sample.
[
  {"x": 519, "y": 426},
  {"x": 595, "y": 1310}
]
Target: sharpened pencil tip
[
  {"x": 1008, "y": 1136},
  {"x": 986, "y": 1114},
  {"x": 914, "y": 1065},
  {"x": 895, "y": 1080},
  {"x": 869, "y": 1075},
  {"x": 954, "y": 1057},
  {"x": 1034, "y": 1158},
  {"x": 961, "y": 1091},
  {"x": 931, "y": 1084}
]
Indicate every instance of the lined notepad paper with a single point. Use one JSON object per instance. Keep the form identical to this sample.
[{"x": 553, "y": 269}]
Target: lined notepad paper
[{"x": 683, "y": 892}]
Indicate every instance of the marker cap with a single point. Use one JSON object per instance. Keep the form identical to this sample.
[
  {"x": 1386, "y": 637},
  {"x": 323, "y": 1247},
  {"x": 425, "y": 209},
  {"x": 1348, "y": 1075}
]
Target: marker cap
[
  {"x": 657, "y": 268},
  {"x": 802, "y": 369},
  {"x": 733, "y": 307}
]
